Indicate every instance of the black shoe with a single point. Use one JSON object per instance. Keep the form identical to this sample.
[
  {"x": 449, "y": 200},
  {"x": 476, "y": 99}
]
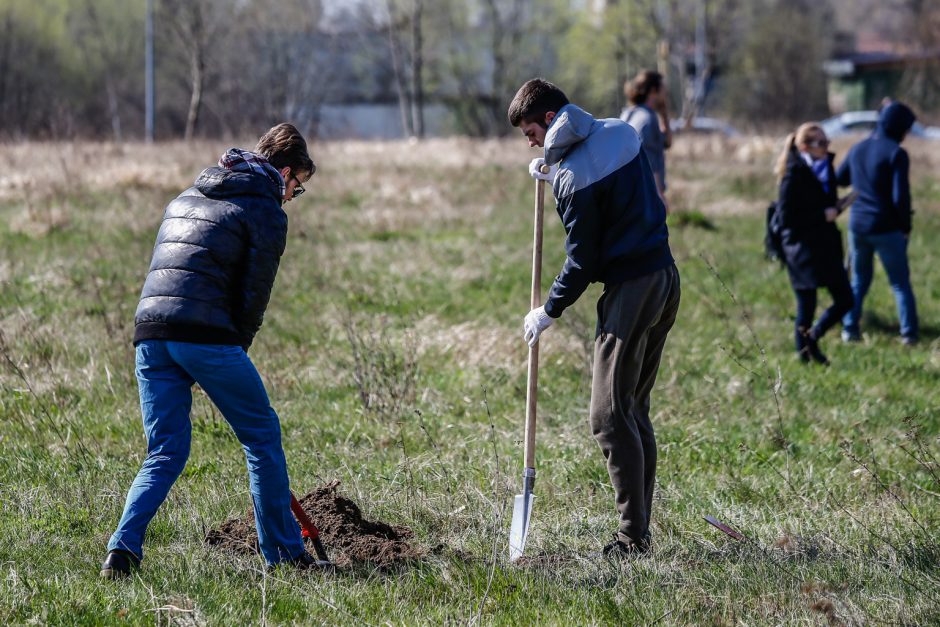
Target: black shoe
[
  {"x": 802, "y": 350},
  {"x": 909, "y": 340},
  {"x": 812, "y": 347},
  {"x": 305, "y": 561},
  {"x": 118, "y": 564},
  {"x": 624, "y": 547}
]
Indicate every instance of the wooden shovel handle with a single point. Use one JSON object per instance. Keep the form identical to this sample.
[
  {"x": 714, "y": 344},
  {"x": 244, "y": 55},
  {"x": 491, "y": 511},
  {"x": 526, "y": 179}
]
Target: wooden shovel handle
[{"x": 536, "y": 300}]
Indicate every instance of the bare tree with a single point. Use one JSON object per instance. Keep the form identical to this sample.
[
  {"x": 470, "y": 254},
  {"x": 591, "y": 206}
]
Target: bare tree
[
  {"x": 32, "y": 75},
  {"x": 920, "y": 20},
  {"x": 508, "y": 24},
  {"x": 406, "y": 46},
  {"x": 396, "y": 50},
  {"x": 103, "y": 36},
  {"x": 192, "y": 23},
  {"x": 777, "y": 68},
  {"x": 417, "y": 65},
  {"x": 483, "y": 58}
]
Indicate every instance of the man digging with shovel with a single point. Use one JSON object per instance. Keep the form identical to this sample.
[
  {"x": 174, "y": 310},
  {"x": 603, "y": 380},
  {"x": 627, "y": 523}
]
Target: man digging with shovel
[
  {"x": 615, "y": 222},
  {"x": 213, "y": 267}
]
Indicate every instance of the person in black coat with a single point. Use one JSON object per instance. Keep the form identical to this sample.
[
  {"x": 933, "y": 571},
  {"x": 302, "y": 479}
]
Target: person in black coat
[{"x": 812, "y": 243}]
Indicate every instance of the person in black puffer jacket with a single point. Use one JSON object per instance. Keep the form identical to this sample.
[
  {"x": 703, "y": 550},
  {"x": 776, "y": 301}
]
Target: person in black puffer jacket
[
  {"x": 216, "y": 256},
  {"x": 812, "y": 244},
  {"x": 213, "y": 267}
]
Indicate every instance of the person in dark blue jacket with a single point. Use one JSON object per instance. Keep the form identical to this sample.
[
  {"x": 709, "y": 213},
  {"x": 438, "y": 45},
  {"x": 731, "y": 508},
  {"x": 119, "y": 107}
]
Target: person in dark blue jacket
[
  {"x": 211, "y": 274},
  {"x": 812, "y": 244},
  {"x": 880, "y": 219},
  {"x": 615, "y": 222}
]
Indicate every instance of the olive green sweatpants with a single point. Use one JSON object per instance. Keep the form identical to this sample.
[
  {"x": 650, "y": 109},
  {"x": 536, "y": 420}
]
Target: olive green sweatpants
[{"x": 633, "y": 320}]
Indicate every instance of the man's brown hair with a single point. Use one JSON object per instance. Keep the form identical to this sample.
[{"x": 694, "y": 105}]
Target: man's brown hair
[
  {"x": 639, "y": 87},
  {"x": 284, "y": 146},
  {"x": 533, "y": 100}
]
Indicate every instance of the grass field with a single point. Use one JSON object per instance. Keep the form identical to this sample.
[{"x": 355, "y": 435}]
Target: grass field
[{"x": 392, "y": 351}]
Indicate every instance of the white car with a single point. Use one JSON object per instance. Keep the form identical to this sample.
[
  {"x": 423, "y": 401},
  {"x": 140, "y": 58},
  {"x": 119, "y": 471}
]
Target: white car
[{"x": 852, "y": 122}]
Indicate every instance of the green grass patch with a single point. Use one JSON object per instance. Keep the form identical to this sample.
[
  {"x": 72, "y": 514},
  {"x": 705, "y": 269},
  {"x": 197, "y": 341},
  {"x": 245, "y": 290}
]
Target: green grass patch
[{"x": 831, "y": 474}]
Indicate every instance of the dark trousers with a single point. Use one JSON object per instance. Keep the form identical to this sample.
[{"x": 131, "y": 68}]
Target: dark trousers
[
  {"x": 634, "y": 318},
  {"x": 842, "y": 301}
]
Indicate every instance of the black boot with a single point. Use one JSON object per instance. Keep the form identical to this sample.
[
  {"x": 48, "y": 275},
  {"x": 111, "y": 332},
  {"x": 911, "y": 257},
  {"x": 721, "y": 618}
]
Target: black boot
[
  {"x": 802, "y": 350},
  {"x": 118, "y": 564},
  {"x": 812, "y": 347},
  {"x": 624, "y": 547},
  {"x": 305, "y": 561}
]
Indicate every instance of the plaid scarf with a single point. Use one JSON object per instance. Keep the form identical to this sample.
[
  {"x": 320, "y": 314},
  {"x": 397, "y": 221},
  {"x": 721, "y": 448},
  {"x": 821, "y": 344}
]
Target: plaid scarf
[{"x": 238, "y": 160}]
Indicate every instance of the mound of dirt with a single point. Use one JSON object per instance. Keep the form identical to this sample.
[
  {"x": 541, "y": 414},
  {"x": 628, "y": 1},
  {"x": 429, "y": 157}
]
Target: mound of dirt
[{"x": 349, "y": 538}]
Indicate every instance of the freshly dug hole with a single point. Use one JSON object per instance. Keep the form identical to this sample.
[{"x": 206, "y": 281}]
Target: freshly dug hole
[{"x": 349, "y": 538}]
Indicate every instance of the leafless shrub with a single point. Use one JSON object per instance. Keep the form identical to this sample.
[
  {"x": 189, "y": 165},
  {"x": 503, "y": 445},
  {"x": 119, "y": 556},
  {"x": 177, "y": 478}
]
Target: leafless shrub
[
  {"x": 918, "y": 449},
  {"x": 384, "y": 368},
  {"x": 772, "y": 379},
  {"x": 53, "y": 415},
  {"x": 870, "y": 465}
]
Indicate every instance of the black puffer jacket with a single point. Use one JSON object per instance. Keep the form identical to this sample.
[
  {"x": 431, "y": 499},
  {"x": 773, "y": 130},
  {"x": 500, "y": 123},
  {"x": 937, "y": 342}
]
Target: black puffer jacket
[
  {"x": 812, "y": 246},
  {"x": 214, "y": 262}
]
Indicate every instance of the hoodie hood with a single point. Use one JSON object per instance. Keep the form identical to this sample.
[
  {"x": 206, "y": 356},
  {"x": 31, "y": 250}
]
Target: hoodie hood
[
  {"x": 587, "y": 149},
  {"x": 895, "y": 121},
  {"x": 221, "y": 183},
  {"x": 241, "y": 173},
  {"x": 571, "y": 126}
]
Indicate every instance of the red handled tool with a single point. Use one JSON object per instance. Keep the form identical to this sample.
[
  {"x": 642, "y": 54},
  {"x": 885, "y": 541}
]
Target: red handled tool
[{"x": 308, "y": 529}]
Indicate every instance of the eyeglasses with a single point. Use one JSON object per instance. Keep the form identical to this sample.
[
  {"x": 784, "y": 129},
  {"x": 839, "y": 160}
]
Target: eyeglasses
[
  {"x": 819, "y": 143},
  {"x": 299, "y": 189}
]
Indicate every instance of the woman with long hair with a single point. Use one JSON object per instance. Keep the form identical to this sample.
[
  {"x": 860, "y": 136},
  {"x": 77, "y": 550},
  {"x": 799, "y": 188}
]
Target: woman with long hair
[{"x": 812, "y": 243}]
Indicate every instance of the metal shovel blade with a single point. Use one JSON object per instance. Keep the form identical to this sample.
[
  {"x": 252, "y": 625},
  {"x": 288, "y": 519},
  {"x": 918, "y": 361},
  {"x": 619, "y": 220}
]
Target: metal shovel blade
[{"x": 521, "y": 515}]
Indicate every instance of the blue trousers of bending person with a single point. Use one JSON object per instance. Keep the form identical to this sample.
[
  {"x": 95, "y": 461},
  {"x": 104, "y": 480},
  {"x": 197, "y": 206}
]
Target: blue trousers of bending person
[
  {"x": 892, "y": 250},
  {"x": 166, "y": 372}
]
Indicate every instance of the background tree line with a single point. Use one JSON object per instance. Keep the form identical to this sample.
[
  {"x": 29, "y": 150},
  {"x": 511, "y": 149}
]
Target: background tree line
[{"x": 75, "y": 68}]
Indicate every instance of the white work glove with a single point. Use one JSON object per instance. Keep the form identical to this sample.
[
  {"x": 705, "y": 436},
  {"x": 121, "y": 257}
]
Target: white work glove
[
  {"x": 535, "y": 322},
  {"x": 535, "y": 170}
]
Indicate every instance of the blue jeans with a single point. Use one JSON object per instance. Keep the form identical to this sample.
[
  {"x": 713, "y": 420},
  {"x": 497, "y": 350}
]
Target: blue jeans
[
  {"x": 892, "y": 250},
  {"x": 166, "y": 372}
]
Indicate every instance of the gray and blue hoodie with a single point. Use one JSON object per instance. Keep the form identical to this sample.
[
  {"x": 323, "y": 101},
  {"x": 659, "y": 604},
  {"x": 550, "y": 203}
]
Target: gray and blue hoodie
[{"x": 607, "y": 200}]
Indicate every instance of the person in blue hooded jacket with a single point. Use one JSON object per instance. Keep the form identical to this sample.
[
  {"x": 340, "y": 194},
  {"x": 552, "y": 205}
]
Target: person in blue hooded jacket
[
  {"x": 880, "y": 219},
  {"x": 210, "y": 278},
  {"x": 615, "y": 221}
]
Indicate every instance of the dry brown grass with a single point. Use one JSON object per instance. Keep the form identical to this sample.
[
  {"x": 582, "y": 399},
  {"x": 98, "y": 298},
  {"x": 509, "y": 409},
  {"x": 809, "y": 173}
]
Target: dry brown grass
[{"x": 45, "y": 166}]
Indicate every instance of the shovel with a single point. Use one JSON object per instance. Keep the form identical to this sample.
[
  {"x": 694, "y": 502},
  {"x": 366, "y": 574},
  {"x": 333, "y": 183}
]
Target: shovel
[
  {"x": 308, "y": 529},
  {"x": 522, "y": 504}
]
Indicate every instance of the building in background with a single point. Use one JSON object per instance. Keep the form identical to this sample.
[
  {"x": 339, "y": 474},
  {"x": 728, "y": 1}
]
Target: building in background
[{"x": 865, "y": 69}]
